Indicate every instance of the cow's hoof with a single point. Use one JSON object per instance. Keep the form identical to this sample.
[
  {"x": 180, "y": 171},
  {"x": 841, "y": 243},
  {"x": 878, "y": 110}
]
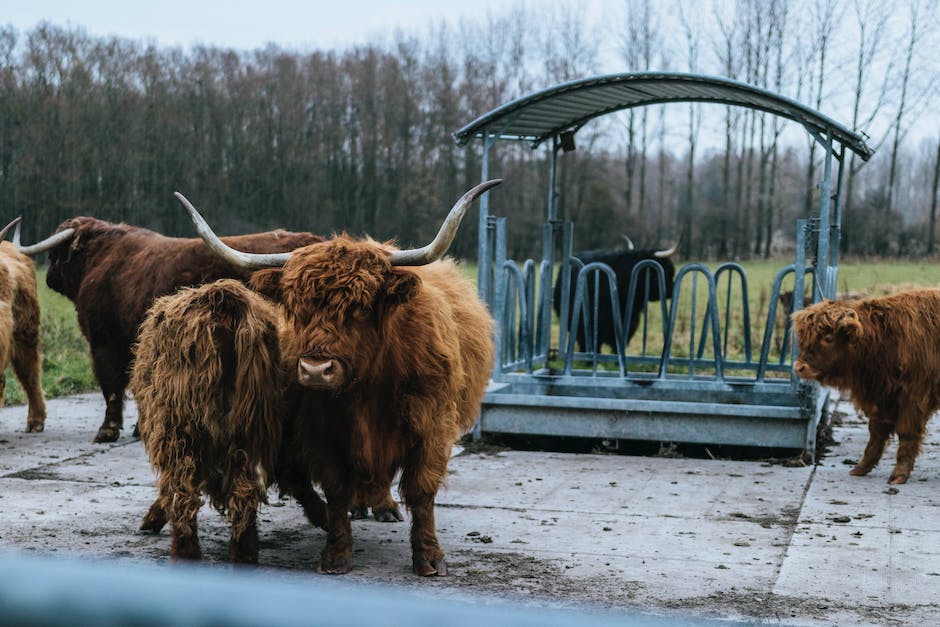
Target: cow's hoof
[
  {"x": 359, "y": 512},
  {"x": 35, "y": 426},
  {"x": 430, "y": 568},
  {"x": 339, "y": 566},
  {"x": 387, "y": 514},
  {"x": 897, "y": 479},
  {"x": 136, "y": 432},
  {"x": 107, "y": 433},
  {"x": 858, "y": 471},
  {"x": 154, "y": 520}
]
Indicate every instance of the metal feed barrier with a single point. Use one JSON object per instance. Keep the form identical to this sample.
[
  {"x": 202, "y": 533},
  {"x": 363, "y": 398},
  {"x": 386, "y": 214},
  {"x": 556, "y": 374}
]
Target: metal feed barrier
[{"x": 683, "y": 384}]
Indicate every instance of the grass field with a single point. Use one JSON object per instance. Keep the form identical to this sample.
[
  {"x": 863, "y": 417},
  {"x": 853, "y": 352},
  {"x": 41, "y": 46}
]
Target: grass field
[{"x": 67, "y": 369}]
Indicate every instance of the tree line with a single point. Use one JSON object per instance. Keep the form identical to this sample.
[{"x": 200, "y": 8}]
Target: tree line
[{"x": 359, "y": 139}]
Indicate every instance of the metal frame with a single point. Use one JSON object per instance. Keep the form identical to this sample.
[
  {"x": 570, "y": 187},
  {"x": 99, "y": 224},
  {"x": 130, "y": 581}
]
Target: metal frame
[{"x": 541, "y": 388}]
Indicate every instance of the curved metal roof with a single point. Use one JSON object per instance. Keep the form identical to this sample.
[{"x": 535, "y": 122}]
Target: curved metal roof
[{"x": 568, "y": 106}]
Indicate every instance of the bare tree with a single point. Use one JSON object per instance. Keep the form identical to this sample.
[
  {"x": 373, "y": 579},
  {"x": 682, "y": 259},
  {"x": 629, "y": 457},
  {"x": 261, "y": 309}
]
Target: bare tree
[
  {"x": 871, "y": 18},
  {"x": 931, "y": 235},
  {"x": 693, "y": 45},
  {"x": 825, "y": 16},
  {"x": 914, "y": 34}
]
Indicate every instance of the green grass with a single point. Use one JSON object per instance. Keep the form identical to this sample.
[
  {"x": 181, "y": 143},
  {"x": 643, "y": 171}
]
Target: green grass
[{"x": 67, "y": 368}]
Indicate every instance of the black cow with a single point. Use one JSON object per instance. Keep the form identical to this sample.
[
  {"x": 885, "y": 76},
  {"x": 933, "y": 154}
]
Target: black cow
[{"x": 622, "y": 263}]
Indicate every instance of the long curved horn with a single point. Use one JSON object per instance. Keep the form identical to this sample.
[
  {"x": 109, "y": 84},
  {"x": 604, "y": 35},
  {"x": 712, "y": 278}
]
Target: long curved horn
[
  {"x": 445, "y": 236},
  {"x": 669, "y": 252},
  {"x": 47, "y": 244},
  {"x": 250, "y": 261},
  {"x": 629, "y": 242},
  {"x": 7, "y": 228}
]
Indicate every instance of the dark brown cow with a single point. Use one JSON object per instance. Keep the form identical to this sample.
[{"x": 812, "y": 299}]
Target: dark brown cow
[
  {"x": 885, "y": 352},
  {"x": 207, "y": 380},
  {"x": 19, "y": 330},
  {"x": 113, "y": 273},
  {"x": 390, "y": 352}
]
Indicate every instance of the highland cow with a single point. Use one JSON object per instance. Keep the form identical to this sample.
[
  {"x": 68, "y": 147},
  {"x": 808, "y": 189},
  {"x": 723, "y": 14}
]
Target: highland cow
[
  {"x": 113, "y": 273},
  {"x": 207, "y": 381},
  {"x": 622, "y": 263},
  {"x": 19, "y": 330},
  {"x": 390, "y": 353},
  {"x": 886, "y": 353}
]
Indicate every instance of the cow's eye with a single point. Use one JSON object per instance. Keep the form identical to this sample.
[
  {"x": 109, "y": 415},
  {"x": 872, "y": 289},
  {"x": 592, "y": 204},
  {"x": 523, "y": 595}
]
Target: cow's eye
[{"x": 827, "y": 339}]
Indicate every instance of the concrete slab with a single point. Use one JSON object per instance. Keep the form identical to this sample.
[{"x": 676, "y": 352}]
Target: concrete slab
[{"x": 741, "y": 540}]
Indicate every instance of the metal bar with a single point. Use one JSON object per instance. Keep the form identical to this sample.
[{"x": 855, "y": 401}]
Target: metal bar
[
  {"x": 799, "y": 273},
  {"x": 564, "y": 275},
  {"x": 484, "y": 252},
  {"x": 822, "y": 256},
  {"x": 500, "y": 293},
  {"x": 544, "y": 331}
]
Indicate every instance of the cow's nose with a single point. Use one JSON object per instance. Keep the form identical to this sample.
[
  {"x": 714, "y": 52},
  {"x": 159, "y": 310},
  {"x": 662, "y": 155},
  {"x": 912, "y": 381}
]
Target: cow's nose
[
  {"x": 799, "y": 367},
  {"x": 319, "y": 373}
]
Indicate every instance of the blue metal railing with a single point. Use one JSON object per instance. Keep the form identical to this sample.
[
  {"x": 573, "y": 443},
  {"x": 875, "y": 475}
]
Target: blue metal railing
[{"x": 708, "y": 325}]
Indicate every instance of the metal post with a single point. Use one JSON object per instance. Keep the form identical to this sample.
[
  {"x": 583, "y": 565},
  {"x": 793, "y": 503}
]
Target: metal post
[
  {"x": 822, "y": 256},
  {"x": 799, "y": 274},
  {"x": 552, "y": 195},
  {"x": 484, "y": 253},
  {"x": 835, "y": 230}
]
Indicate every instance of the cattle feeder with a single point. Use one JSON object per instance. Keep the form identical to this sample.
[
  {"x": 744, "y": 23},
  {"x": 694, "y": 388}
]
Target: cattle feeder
[{"x": 704, "y": 379}]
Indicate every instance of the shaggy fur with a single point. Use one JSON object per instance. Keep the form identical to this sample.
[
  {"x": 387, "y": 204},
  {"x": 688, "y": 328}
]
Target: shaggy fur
[
  {"x": 19, "y": 331},
  {"x": 886, "y": 352},
  {"x": 415, "y": 349},
  {"x": 113, "y": 273},
  {"x": 207, "y": 382}
]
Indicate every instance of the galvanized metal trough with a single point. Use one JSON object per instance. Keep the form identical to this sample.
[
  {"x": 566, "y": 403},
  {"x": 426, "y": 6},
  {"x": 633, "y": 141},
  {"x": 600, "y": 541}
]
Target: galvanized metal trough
[{"x": 676, "y": 380}]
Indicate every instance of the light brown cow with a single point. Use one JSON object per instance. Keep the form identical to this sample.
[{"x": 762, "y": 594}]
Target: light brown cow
[
  {"x": 886, "y": 353},
  {"x": 19, "y": 329},
  {"x": 207, "y": 382},
  {"x": 390, "y": 352}
]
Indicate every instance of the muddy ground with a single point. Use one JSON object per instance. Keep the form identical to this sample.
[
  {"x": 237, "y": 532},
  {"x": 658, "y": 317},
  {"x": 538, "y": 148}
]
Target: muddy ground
[{"x": 753, "y": 540}]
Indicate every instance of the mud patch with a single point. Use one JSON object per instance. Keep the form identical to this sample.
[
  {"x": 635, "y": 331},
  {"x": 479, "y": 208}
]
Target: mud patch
[{"x": 750, "y": 605}]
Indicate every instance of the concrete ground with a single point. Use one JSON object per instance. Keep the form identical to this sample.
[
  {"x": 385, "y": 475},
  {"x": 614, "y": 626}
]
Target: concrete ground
[{"x": 750, "y": 541}]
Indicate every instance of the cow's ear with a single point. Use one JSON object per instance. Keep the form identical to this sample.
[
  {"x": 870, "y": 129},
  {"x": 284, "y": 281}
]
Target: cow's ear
[
  {"x": 267, "y": 282},
  {"x": 401, "y": 286},
  {"x": 848, "y": 326}
]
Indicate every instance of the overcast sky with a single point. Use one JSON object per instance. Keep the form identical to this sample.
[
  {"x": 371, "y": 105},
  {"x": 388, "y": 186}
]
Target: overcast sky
[{"x": 245, "y": 24}]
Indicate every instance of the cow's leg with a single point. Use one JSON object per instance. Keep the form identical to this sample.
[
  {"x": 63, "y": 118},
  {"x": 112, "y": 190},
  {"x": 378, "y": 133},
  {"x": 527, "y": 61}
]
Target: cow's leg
[
  {"x": 336, "y": 558},
  {"x": 294, "y": 481},
  {"x": 25, "y": 357},
  {"x": 110, "y": 366},
  {"x": 243, "y": 514},
  {"x": 27, "y": 365},
  {"x": 911, "y": 427},
  {"x": 424, "y": 471},
  {"x": 155, "y": 518},
  {"x": 184, "y": 496},
  {"x": 878, "y": 433}
]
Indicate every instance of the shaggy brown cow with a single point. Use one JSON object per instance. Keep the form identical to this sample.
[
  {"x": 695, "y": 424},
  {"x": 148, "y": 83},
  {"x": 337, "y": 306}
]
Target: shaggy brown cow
[
  {"x": 886, "y": 352},
  {"x": 113, "y": 273},
  {"x": 19, "y": 329},
  {"x": 207, "y": 381},
  {"x": 391, "y": 351}
]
